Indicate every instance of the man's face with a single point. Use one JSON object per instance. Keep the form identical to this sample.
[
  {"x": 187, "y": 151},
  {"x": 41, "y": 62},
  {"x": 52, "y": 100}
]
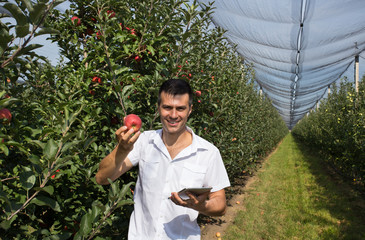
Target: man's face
[{"x": 174, "y": 112}]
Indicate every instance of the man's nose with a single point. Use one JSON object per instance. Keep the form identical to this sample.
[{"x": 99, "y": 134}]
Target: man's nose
[{"x": 173, "y": 113}]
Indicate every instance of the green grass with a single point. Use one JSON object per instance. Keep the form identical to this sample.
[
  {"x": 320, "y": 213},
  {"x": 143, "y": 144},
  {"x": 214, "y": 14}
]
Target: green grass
[{"x": 294, "y": 197}]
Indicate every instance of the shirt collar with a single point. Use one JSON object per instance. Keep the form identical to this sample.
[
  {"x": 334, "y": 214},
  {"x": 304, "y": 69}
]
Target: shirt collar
[{"x": 197, "y": 143}]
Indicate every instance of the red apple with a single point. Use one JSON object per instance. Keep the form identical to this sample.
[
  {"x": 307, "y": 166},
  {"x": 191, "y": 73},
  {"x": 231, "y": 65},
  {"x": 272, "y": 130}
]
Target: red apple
[
  {"x": 98, "y": 34},
  {"x": 137, "y": 58},
  {"x": 5, "y": 114},
  {"x": 133, "y": 121},
  {"x": 76, "y": 21},
  {"x": 110, "y": 13},
  {"x": 96, "y": 79},
  {"x": 198, "y": 93}
]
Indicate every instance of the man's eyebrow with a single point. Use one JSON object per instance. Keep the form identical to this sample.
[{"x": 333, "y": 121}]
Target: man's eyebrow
[{"x": 167, "y": 105}]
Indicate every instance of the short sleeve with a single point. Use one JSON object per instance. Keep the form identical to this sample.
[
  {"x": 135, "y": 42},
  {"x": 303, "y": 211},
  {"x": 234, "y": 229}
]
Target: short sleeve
[
  {"x": 216, "y": 176},
  {"x": 135, "y": 155}
]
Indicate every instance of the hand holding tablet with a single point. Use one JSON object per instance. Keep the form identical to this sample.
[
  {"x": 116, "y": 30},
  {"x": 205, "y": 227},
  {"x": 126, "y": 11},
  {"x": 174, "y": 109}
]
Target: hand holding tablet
[{"x": 195, "y": 191}]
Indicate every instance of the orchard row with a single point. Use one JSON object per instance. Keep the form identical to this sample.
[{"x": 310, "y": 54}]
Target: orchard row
[
  {"x": 60, "y": 120},
  {"x": 337, "y": 130}
]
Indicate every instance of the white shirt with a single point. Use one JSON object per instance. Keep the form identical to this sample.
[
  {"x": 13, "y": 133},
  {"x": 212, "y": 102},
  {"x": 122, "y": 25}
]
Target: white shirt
[{"x": 155, "y": 216}]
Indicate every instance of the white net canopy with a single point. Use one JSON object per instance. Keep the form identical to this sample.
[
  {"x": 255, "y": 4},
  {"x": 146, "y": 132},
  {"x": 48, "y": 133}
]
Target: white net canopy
[{"x": 297, "y": 47}]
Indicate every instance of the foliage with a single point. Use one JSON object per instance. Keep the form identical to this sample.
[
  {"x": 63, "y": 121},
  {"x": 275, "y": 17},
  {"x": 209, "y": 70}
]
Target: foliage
[
  {"x": 113, "y": 62},
  {"x": 337, "y": 129}
]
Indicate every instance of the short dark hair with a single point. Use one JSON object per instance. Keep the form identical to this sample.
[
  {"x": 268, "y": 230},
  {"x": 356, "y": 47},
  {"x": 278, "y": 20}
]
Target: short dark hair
[{"x": 176, "y": 87}]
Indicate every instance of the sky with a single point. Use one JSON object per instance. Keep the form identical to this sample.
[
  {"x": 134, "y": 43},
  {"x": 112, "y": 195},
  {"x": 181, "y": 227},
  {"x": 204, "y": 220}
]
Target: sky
[{"x": 49, "y": 49}]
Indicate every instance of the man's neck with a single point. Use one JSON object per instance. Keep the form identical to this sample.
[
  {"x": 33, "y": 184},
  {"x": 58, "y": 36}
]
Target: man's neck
[
  {"x": 177, "y": 139},
  {"x": 175, "y": 143}
]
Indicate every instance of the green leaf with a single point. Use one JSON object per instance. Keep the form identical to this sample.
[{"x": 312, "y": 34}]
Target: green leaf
[
  {"x": 151, "y": 49},
  {"x": 28, "y": 5},
  {"x": 17, "y": 13},
  {"x": 5, "y": 38},
  {"x": 126, "y": 91},
  {"x": 7, "y": 223},
  {"x": 69, "y": 136},
  {"x": 113, "y": 188},
  {"x": 120, "y": 70},
  {"x": 27, "y": 178},
  {"x": 38, "y": 12},
  {"x": 7, "y": 101},
  {"x": 46, "y": 201},
  {"x": 99, "y": 238},
  {"x": 86, "y": 224},
  {"x": 44, "y": 131},
  {"x": 47, "y": 189},
  {"x": 50, "y": 150},
  {"x": 68, "y": 145},
  {"x": 4, "y": 149},
  {"x": 5, "y": 199},
  {"x": 34, "y": 159},
  {"x": 39, "y": 143},
  {"x": 62, "y": 236},
  {"x": 22, "y": 30},
  {"x": 88, "y": 142},
  {"x": 29, "y": 48},
  {"x": 126, "y": 49},
  {"x": 46, "y": 31},
  {"x": 125, "y": 189},
  {"x": 95, "y": 212},
  {"x": 125, "y": 202}
]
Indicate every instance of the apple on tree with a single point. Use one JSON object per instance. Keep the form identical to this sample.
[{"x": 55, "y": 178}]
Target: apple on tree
[
  {"x": 76, "y": 21},
  {"x": 137, "y": 58},
  {"x": 133, "y": 121},
  {"x": 110, "y": 13},
  {"x": 5, "y": 114}
]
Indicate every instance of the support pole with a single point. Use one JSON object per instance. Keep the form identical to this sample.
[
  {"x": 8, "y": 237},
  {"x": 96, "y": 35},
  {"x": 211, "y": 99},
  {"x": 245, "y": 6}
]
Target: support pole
[
  {"x": 329, "y": 90},
  {"x": 357, "y": 73}
]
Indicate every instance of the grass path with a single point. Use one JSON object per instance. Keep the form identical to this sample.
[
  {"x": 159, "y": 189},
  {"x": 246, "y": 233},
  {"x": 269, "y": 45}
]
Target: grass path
[{"x": 294, "y": 197}]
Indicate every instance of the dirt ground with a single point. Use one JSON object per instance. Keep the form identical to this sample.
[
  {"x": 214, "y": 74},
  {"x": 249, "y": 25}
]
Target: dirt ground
[
  {"x": 211, "y": 225},
  {"x": 236, "y": 195}
]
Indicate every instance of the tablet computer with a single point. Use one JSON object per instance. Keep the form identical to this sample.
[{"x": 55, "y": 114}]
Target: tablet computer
[{"x": 195, "y": 191}]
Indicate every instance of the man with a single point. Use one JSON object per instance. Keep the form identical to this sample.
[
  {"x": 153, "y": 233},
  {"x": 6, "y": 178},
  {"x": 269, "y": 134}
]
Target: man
[{"x": 169, "y": 160}]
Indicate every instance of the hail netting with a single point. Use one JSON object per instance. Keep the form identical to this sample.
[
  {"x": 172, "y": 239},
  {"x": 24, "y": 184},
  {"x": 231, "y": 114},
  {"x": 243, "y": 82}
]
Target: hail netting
[{"x": 297, "y": 48}]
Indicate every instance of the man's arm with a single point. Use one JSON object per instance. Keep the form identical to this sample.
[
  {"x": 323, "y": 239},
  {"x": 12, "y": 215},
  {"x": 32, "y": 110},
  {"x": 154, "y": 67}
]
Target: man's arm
[
  {"x": 210, "y": 203},
  {"x": 116, "y": 163}
]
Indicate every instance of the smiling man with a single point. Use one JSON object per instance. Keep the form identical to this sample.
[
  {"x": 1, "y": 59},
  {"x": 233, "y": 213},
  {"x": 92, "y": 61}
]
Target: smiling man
[{"x": 169, "y": 159}]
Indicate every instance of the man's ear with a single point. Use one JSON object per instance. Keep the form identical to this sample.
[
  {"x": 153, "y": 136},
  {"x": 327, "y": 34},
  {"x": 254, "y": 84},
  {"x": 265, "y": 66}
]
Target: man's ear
[{"x": 191, "y": 109}]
